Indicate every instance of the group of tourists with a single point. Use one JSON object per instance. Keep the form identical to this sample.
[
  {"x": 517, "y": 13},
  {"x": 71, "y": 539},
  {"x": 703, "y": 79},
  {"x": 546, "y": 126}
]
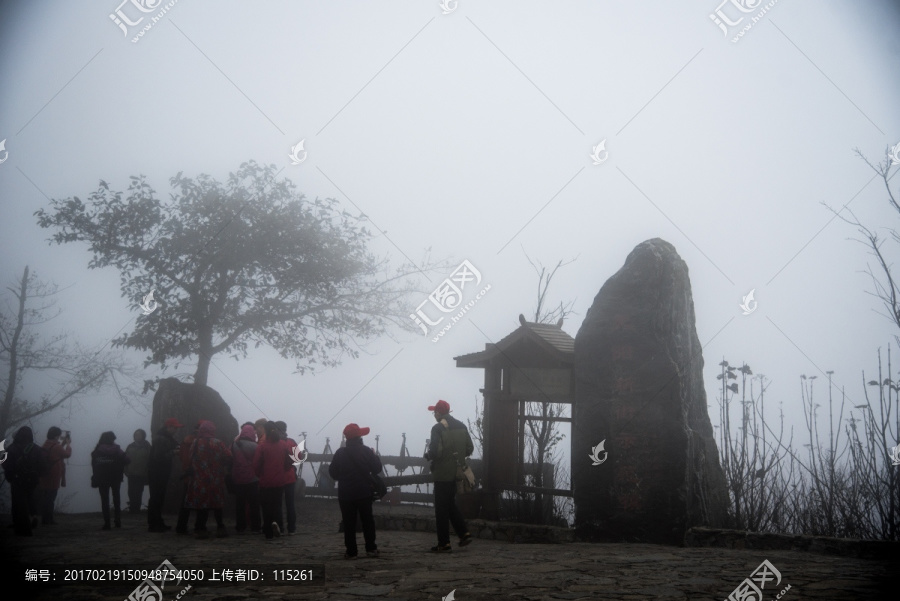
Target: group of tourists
[
  {"x": 258, "y": 467},
  {"x": 35, "y": 475}
]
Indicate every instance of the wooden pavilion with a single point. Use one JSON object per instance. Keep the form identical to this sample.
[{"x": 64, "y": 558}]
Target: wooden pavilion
[{"x": 533, "y": 364}]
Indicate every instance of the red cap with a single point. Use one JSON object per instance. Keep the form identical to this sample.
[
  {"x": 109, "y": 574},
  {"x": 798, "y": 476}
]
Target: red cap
[
  {"x": 441, "y": 407},
  {"x": 354, "y": 431},
  {"x": 173, "y": 422}
]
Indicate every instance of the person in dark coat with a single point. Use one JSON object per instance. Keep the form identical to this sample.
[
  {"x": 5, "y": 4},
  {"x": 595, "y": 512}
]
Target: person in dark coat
[
  {"x": 108, "y": 461},
  {"x": 159, "y": 469},
  {"x": 55, "y": 477},
  {"x": 449, "y": 447},
  {"x": 23, "y": 466},
  {"x": 352, "y": 467},
  {"x": 184, "y": 452},
  {"x": 136, "y": 471}
]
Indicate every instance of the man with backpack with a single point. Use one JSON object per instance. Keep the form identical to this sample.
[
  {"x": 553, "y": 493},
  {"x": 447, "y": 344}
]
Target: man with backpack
[
  {"x": 25, "y": 464},
  {"x": 449, "y": 447}
]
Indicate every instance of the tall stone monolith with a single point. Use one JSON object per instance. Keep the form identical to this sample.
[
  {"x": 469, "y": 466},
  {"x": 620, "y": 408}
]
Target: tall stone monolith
[{"x": 639, "y": 391}]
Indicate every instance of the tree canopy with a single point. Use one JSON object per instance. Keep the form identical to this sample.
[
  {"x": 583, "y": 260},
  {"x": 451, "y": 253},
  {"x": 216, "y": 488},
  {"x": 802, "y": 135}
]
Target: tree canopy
[{"x": 247, "y": 262}]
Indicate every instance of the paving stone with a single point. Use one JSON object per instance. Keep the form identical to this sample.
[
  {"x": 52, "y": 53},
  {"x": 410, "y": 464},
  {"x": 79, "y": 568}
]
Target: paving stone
[{"x": 486, "y": 570}]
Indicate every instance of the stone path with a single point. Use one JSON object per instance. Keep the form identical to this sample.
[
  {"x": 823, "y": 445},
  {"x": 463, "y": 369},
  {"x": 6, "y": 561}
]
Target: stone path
[{"x": 485, "y": 570}]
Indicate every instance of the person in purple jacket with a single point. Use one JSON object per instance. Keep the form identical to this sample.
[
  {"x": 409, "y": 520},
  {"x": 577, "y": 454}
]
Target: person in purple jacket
[
  {"x": 352, "y": 467},
  {"x": 108, "y": 461}
]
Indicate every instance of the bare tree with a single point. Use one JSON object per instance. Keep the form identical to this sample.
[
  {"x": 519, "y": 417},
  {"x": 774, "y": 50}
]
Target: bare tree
[
  {"x": 885, "y": 286},
  {"x": 543, "y": 433},
  {"x": 24, "y": 352}
]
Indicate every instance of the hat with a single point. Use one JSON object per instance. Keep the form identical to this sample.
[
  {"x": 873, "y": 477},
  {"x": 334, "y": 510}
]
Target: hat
[
  {"x": 354, "y": 431},
  {"x": 441, "y": 407},
  {"x": 174, "y": 423}
]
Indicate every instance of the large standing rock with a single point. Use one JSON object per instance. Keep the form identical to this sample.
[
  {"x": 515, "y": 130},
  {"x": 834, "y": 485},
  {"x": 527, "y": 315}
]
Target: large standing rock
[
  {"x": 639, "y": 387},
  {"x": 189, "y": 403}
]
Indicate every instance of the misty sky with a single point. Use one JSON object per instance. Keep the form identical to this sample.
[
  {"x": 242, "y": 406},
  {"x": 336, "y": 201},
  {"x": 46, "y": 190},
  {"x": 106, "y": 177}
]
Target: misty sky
[{"x": 470, "y": 133}]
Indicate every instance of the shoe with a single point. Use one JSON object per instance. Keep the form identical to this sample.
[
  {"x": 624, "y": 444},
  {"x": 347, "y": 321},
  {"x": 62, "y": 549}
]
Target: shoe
[
  {"x": 106, "y": 527},
  {"x": 374, "y": 553},
  {"x": 291, "y": 532},
  {"x": 201, "y": 534},
  {"x": 178, "y": 530},
  {"x": 465, "y": 540},
  {"x": 442, "y": 548},
  {"x": 155, "y": 529},
  {"x": 276, "y": 531},
  {"x": 348, "y": 556},
  {"x": 118, "y": 523},
  {"x": 221, "y": 532}
]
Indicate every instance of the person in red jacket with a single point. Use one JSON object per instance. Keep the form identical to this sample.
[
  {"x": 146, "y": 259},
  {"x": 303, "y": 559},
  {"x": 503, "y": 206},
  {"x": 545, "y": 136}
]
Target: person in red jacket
[
  {"x": 290, "y": 485},
  {"x": 55, "y": 452},
  {"x": 270, "y": 462}
]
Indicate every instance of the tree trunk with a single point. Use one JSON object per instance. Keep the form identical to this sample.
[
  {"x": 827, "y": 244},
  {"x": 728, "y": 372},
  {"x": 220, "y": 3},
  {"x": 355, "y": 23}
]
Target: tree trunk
[
  {"x": 14, "y": 357},
  {"x": 201, "y": 376}
]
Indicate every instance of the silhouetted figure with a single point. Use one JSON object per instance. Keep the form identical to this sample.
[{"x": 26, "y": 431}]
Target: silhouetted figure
[
  {"x": 55, "y": 452},
  {"x": 138, "y": 453},
  {"x": 159, "y": 470},
  {"x": 23, "y": 466},
  {"x": 352, "y": 466},
  {"x": 108, "y": 461}
]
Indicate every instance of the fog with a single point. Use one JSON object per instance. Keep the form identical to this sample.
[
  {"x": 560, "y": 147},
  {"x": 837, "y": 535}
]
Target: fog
[{"x": 469, "y": 134}]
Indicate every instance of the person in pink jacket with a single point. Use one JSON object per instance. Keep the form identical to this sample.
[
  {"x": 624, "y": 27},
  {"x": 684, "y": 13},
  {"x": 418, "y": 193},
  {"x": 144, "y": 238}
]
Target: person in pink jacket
[{"x": 271, "y": 462}]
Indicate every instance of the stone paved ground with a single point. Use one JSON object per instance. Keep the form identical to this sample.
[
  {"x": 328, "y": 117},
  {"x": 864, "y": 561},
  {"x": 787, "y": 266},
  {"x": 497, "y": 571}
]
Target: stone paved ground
[{"x": 485, "y": 570}]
